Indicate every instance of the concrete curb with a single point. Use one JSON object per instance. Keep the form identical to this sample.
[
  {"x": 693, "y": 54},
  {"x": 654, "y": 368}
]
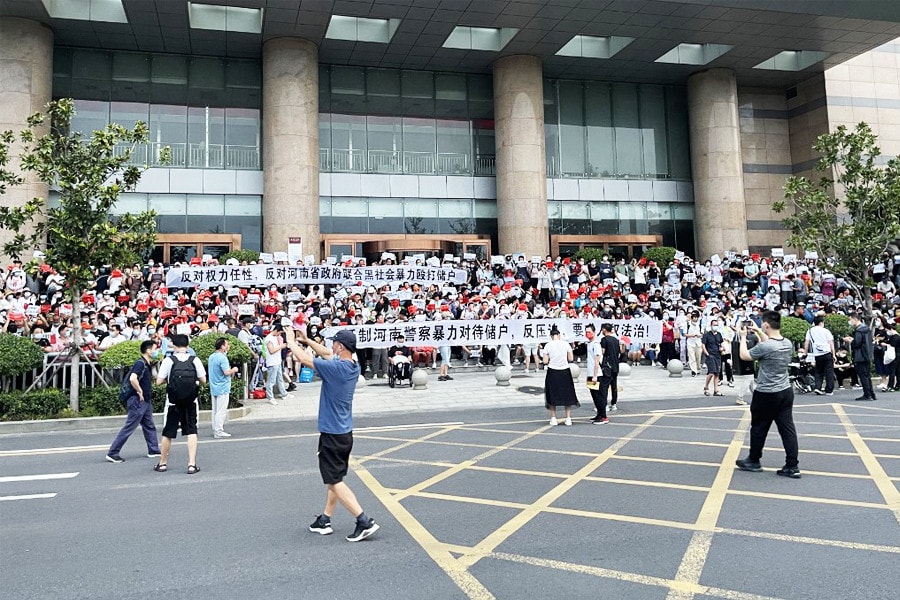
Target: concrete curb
[{"x": 89, "y": 423}]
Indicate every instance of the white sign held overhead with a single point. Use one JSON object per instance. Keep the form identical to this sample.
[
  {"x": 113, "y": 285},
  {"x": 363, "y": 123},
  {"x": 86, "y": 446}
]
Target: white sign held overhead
[
  {"x": 295, "y": 250},
  {"x": 778, "y": 252}
]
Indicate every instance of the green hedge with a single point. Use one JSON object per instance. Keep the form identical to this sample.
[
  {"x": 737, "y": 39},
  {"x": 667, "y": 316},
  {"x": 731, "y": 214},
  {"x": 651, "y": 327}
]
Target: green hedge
[
  {"x": 18, "y": 355},
  {"x": 205, "y": 345},
  {"x": 661, "y": 255},
  {"x": 794, "y": 329},
  {"x": 123, "y": 354},
  {"x": 93, "y": 402},
  {"x": 240, "y": 255}
]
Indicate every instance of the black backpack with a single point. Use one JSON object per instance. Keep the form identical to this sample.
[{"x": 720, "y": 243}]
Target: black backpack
[
  {"x": 182, "y": 385},
  {"x": 125, "y": 390}
]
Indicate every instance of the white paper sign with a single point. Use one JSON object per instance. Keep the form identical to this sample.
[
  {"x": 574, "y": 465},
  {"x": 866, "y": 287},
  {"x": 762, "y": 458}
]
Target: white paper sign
[
  {"x": 183, "y": 329},
  {"x": 469, "y": 256},
  {"x": 449, "y": 258},
  {"x": 419, "y": 303},
  {"x": 246, "y": 309},
  {"x": 331, "y": 260},
  {"x": 293, "y": 296},
  {"x": 679, "y": 255},
  {"x": 252, "y": 298},
  {"x": 778, "y": 252},
  {"x": 690, "y": 277},
  {"x": 309, "y": 260},
  {"x": 498, "y": 260},
  {"x": 266, "y": 258},
  {"x": 715, "y": 259},
  {"x": 280, "y": 256},
  {"x": 812, "y": 255},
  {"x": 790, "y": 258},
  {"x": 206, "y": 258},
  {"x": 294, "y": 250},
  {"x": 388, "y": 256}
]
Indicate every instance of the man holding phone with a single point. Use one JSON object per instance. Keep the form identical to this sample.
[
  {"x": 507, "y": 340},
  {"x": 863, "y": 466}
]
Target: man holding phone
[{"x": 773, "y": 399}]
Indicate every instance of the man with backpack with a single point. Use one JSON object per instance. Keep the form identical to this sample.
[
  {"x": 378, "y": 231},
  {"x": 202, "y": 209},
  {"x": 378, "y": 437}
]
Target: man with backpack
[
  {"x": 182, "y": 374},
  {"x": 136, "y": 394}
]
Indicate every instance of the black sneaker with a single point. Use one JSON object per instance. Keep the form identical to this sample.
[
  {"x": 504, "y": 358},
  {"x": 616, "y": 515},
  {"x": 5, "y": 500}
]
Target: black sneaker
[
  {"x": 363, "y": 530},
  {"x": 114, "y": 458},
  {"x": 819, "y": 392},
  {"x": 322, "y": 525},
  {"x": 745, "y": 464},
  {"x": 865, "y": 399},
  {"x": 792, "y": 472}
]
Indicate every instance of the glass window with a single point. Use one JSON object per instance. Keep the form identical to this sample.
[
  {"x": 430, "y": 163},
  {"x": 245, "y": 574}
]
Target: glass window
[
  {"x": 130, "y": 204},
  {"x": 551, "y": 128},
  {"x": 205, "y": 223},
  {"x": 420, "y": 216},
  {"x": 243, "y": 74},
  {"x": 130, "y": 66},
  {"x": 168, "y": 127},
  {"x": 171, "y": 224},
  {"x": 90, "y": 116},
  {"x": 384, "y": 143},
  {"x": 481, "y": 96},
  {"x": 87, "y": 64},
  {"x": 576, "y": 218},
  {"x": 485, "y": 209},
  {"x": 348, "y": 88},
  {"x": 249, "y": 227},
  {"x": 348, "y": 143},
  {"x": 207, "y": 73},
  {"x": 62, "y": 62},
  {"x": 419, "y": 139},
  {"x": 450, "y": 96},
  {"x": 571, "y": 129},
  {"x": 485, "y": 148},
  {"x": 554, "y": 216},
  {"x": 242, "y": 130},
  {"x": 677, "y": 134},
  {"x": 168, "y": 204},
  {"x": 205, "y": 204},
  {"x": 600, "y": 136},
  {"x": 605, "y": 218},
  {"x": 243, "y": 206},
  {"x": 456, "y": 216},
  {"x": 653, "y": 131},
  {"x": 383, "y": 91},
  {"x": 454, "y": 143},
  {"x": 353, "y": 215},
  {"x": 324, "y": 142},
  {"x": 633, "y": 218},
  {"x": 169, "y": 69},
  {"x": 418, "y": 93},
  {"x": 128, "y": 114},
  {"x": 206, "y": 137},
  {"x": 627, "y": 128},
  {"x": 324, "y": 88}
]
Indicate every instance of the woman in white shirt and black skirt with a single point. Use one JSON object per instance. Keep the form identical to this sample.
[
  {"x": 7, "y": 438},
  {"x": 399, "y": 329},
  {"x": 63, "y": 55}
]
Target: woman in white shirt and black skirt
[{"x": 559, "y": 390}]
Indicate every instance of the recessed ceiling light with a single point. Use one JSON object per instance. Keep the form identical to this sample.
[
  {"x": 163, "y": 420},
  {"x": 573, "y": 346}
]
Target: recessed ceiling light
[
  {"x": 107, "y": 11},
  {"x": 361, "y": 29},
  {"x": 589, "y": 46},
  {"x": 792, "y": 60},
  {"x": 237, "y": 19},
  {"x": 694, "y": 54},
  {"x": 480, "y": 38}
]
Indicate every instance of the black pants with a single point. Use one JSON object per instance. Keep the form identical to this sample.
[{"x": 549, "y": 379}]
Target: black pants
[
  {"x": 666, "y": 353},
  {"x": 825, "y": 369},
  {"x": 608, "y": 383},
  {"x": 599, "y": 402},
  {"x": 864, "y": 373},
  {"x": 765, "y": 408},
  {"x": 727, "y": 371},
  {"x": 844, "y": 373}
]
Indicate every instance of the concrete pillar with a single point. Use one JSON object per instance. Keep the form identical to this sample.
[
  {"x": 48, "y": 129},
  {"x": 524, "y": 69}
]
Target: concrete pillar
[
  {"x": 26, "y": 80},
  {"x": 290, "y": 144},
  {"x": 720, "y": 214},
  {"x": 521, "y": 167}
]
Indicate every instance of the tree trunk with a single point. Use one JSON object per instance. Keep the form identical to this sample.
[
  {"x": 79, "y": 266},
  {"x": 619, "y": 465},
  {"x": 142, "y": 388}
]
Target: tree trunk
[{"x": 75, "y": 379}]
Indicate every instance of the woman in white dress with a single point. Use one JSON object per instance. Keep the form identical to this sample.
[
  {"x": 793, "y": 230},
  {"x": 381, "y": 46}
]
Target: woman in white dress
[{"x": 559, "y": 390}]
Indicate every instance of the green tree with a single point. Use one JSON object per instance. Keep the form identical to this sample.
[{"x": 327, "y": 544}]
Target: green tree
[
  {"x": 852, "y": 212},
  {"x": 89, "y": 171}
]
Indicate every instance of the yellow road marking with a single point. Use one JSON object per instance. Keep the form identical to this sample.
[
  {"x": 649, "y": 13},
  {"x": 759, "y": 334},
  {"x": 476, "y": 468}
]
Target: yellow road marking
[
  {"x": 695, "y": 556},
  {"x": 439, "y": 553},
  {"x": 811, "y": 540},
  {"x": 888, "y": 490},
  {"x": 489, "y": 543},
  {"x": 811, "y": 499},
  {"x": 672, "y": 585}
]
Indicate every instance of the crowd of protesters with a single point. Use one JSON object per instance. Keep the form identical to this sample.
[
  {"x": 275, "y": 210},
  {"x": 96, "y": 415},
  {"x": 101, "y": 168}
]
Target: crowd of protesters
[{"x": 692, "y": 298}]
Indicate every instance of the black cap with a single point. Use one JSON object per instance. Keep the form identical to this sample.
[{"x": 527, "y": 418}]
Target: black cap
[{"x": 347, "y": 339}]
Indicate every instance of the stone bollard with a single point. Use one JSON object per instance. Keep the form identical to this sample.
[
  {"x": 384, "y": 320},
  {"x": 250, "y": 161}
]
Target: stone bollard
[
  {"x": 575, "y": 370},
  {"x": 503, "y": 374},
  {"x": 675, "y": 367},
  {"x": 624, "y": 370},
  {"x": 419, "y": 379}
]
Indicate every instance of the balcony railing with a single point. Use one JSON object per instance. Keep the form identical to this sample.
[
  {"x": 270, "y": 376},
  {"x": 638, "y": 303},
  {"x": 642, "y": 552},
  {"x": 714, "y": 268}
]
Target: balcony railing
[
  {"x": 395, "y": 161},
  {"x": 193, "y": 156}
]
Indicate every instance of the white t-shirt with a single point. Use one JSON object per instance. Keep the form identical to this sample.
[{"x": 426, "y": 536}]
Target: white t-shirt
[
  {"x": 273, "y": 359},
  {"x": 165, "y": 367},
  {"x": 558, "y": 351}
]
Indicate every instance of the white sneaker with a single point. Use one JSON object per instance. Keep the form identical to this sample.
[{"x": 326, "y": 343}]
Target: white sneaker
[
  {"x": 222, "y": 434},
  {"x": 273, "y": 402},
  {"x": 553, "y": 422},
  {"x": 741, "y": 402},
  {"x": 613, "y": 407},
  {"x": 568, "y": 422},
  {"x": 434, "y": 365}
]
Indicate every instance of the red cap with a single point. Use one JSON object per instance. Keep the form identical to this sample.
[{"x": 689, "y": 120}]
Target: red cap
[
  {"x": 196, "y": 261},
  {"x": 213, "y": 318},
  {"x": 395, "y": 303},
  {"x": 116, "y": 273},
  {"x": 495, "y": 289},
  {"x": 553, "y": 304},
  {"x": 412, "y": 309},
  {"x": 523, "y": 307}
]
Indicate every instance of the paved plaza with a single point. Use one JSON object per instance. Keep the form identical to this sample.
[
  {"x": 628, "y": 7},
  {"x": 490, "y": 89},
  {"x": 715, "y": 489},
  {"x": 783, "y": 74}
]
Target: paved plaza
[{"x": 477, "y": 501}]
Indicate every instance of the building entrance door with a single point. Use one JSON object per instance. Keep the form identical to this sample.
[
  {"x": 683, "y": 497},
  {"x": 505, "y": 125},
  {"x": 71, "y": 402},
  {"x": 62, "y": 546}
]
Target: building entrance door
[
  {"x": 182, "y": 247},
  {"x": 371, "y": 247},
  {"x": 618, "y": 246}
]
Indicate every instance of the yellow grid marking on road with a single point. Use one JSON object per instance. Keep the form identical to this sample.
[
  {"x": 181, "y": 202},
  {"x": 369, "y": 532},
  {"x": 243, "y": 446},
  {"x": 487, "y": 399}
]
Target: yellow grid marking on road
[
  {"x": 811, "y": 499},
  {"x": 888, "y": 490},
  {"x": 672, "y": 584},
  {"x": 811, "y": 540},
  {"x": 409, "y": 442},
  {"x": 653, "y": 484},
  {"x": 697, "y": 552},
  {"x": 667, "y": 461},
  {"x": 489, "y": 543},
  {"x": 844, "y": 437}
]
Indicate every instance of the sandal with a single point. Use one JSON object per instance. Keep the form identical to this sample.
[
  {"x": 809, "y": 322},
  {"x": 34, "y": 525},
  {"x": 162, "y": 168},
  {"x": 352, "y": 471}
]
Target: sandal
[
  {"x": 160, "y": 468},
  {"x": 705, "y": 392},
  {"x": 718, "y": 394},
  {"x": 193, "y": 469}
]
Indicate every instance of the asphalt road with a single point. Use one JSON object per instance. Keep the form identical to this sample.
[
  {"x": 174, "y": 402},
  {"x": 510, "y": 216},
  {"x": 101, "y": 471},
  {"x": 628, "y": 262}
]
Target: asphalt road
[{"x": 474, "y": 504}]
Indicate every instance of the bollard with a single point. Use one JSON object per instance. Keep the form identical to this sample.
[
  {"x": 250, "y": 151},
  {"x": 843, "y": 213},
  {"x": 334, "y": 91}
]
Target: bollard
[
  {"x": 675, "y": 367},
  {"x": 503, "y": 374}
]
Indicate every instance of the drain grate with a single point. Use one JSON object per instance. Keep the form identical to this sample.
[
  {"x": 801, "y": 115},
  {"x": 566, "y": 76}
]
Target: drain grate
[{"x": 530, "y": 389}]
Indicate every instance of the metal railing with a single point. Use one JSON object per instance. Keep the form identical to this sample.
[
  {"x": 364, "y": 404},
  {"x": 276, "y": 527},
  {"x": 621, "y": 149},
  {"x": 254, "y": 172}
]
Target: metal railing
[
  {"x": 485, "y": 164},
  {"x": 193, "y": 156},
  {"x": 395, "y": 161}
]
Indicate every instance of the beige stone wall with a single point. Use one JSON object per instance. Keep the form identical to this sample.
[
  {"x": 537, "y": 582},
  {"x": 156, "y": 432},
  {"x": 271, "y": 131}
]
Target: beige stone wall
[
  {"x": 766, "y": 155},
  {"x": 716, "y": 164},
  {"x": 290, "y": 132},
  {"x": 26, "y": 73},
  {"x": 522, "y": 224}
]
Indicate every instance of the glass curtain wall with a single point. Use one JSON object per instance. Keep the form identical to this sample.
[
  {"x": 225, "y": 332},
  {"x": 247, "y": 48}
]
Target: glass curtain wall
[
  {"x": 616, "y": 130},
  {"x": 407, "y": 216},
  {"x": 396, "y": 121},
  {"x": 206, "y": 110},
  {"x": 673, "y": 221}
]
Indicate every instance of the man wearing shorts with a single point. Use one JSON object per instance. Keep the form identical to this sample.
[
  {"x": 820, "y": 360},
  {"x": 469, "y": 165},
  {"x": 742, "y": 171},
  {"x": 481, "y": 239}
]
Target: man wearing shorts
[
  {"x": 180, "y": 414},
  {"x": 339, "y": 374},
  {"x": 712, "y": 352}
]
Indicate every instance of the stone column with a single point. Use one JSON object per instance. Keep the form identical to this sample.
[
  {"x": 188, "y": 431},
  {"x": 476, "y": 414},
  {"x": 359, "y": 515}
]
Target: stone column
[
  {"x": 26, "y": 80},
  {"x": 720, "y": 214},
  {"x": 290, "y": 144},
  {"x": 521, "y": 168}
]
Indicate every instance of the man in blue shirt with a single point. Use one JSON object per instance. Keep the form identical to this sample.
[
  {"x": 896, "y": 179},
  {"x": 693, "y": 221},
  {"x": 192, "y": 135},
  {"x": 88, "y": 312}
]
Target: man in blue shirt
[
  {"x": 339, "y": 373},
  {"x": 140, "y": 407},
  {"x": 220, "y": 374}
]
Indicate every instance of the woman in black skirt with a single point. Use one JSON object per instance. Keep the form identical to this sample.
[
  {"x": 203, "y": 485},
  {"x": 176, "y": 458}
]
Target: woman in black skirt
[{"x": 559, "y": 390}]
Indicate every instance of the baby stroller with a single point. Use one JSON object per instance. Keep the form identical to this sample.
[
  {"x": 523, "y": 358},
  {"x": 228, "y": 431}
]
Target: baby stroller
[
  {"x": 399, "y": 371},
  {"x": 801, "y": 376}
]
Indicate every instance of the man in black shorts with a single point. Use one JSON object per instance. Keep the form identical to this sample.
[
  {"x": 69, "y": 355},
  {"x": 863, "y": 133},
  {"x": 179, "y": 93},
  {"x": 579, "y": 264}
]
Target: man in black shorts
[
  {"x": 339, "y": 374},
  {"x": 182, "y": 374}
]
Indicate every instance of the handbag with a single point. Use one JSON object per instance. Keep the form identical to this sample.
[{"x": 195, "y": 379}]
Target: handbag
[
  {"x": 890, "y": 355},
  {"x": 306, "y": 375}
]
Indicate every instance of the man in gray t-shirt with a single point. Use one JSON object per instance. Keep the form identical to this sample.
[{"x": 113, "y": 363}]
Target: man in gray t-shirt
[{"x": 773, "y": 399}]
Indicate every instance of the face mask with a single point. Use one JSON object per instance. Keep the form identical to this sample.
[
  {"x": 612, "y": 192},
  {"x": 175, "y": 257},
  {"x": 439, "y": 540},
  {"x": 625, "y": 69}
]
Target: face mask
[{"x": 589, "y": 335}]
